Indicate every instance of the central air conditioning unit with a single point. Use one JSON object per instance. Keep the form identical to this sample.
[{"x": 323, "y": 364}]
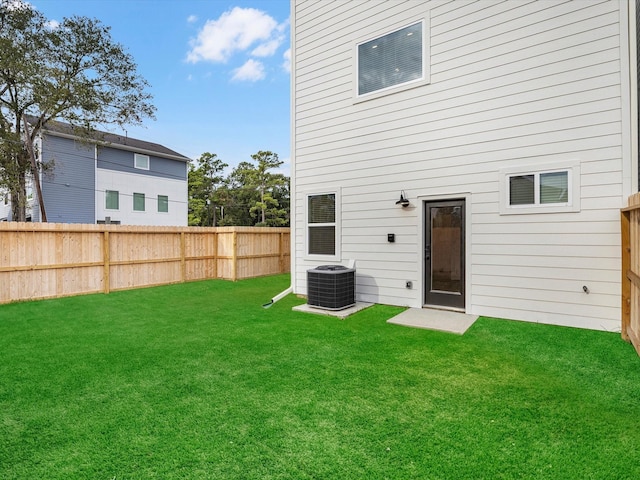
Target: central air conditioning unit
[{"x": 331, "y": 287}]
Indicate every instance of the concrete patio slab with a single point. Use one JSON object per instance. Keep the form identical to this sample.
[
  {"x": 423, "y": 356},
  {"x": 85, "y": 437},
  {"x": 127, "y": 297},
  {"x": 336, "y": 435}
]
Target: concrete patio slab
[
  {"x": 337, "y": 313},
  {"x": 433, "y": 319}
]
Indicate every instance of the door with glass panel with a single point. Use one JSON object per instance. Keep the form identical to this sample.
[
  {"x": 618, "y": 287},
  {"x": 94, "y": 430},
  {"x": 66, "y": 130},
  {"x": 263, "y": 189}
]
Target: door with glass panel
[{"x": 444, "y": 253}]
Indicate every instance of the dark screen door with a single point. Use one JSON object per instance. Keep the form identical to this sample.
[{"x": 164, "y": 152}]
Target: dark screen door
[{"x": 444, "y": 253}]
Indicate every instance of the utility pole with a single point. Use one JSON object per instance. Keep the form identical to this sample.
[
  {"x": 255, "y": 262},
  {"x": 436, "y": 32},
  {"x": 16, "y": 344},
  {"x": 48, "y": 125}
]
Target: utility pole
[{"x": 34, "y": 169}]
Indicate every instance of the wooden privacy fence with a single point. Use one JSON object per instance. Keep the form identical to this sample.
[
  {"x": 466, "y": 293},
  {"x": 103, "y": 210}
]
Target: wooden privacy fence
[
  {"x": 44, "y": 260},
  {"x": 630, "y": 229}
]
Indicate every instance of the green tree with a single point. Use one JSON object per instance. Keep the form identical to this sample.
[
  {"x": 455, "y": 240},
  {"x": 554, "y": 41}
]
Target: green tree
[
  {"x": 249, "y": 195},
  {"x": 197, "y": 201},
  {"x": 266, "y": 208},
  {"x": 239, "y": 196},
  {"x": 205, "y": 181},
  {"x": 74, "y": 72}
]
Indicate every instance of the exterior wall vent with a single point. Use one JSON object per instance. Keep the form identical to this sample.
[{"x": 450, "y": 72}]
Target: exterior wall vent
[{"x": 331, "y": 287}]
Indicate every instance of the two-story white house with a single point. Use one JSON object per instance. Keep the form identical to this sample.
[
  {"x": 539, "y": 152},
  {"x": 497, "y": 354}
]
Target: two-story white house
[
  {"x": 467, "y": 155},
  {"x": 110, "y": 178}
]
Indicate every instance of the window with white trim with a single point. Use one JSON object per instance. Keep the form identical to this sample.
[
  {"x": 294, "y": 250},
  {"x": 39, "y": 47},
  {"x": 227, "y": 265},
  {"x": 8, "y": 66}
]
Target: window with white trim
[
  {"x": 541, "y": 190},
  {"x": 321, "y": 224},
  {"x": 163, "y": 203},
  {"x": 391, "y": 60},
  {"x": 112, "y": 200},
  {"x": 138, "y": 202},
  {"x": 141, "y": 161}
]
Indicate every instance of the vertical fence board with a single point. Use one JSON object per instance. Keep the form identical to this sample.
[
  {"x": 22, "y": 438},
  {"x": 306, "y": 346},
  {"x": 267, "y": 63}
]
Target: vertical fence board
[
  {"x": 630, "y": 266},
  {"x": 45, "y": 260},
  {"x": 626, "y": 266},
  {"x": 106, "y": 258}
]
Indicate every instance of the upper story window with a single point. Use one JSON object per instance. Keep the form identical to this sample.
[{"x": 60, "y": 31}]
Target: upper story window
[
  {"x": 540, "y": 190},
  {"x": 397, "y": 58},
  {"x": 141, "y": 161}
]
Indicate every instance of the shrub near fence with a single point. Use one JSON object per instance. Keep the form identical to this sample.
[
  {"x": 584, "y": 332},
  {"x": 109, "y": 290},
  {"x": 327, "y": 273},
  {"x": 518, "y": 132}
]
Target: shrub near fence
[{"x": 44, "y": 260}]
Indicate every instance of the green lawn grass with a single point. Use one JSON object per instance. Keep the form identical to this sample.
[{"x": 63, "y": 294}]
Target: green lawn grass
[{"x": 197, "y": 381}]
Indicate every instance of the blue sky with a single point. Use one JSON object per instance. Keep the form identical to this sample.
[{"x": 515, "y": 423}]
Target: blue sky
[{"x": 218, "y": 70}]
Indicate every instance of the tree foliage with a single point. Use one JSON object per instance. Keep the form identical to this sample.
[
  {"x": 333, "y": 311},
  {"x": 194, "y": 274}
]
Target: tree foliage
[
  {"x": 73, "y": 72},
  {"x": 251, "y": 195},
  {"x": 204, "y": 184}
]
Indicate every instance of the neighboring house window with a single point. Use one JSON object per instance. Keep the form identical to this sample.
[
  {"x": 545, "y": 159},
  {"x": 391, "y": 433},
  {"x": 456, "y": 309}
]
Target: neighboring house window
[
  {"x": 138, "y": 202},
  {"x": 321, "y": 224},
  {"x": 394, "y": 59},
  {"x": 141, "y": 161},
  {"x": 539, "y": 191},
  {"x": 112, "y": 200},
  {"x": 163, "y": 203}
]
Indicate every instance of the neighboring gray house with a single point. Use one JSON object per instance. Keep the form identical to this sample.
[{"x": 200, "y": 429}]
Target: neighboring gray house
[
  {"x": 122, "y": 179},
  {"x": 509, "y": 127}
]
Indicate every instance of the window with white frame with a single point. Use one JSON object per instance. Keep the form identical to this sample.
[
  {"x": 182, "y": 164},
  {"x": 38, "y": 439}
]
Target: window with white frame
[
  {"x": 141, "y": 161},
  {"x": 138, "y": 202},
  {"x": 541, "y": 190},
  {"x": 391, "y": 60},
  {"x": 321, "y": 224},
  {"x": 163, "y": 203},
  {"x": 112, "y": 200}
]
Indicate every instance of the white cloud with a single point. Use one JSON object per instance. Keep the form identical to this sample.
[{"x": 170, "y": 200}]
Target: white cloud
[
  {"x": 235, "y": 31},
  {"x": 15, "y": 4},
  {"x": 52, "y": 24},
  {"x": 192, "y": 19},
  {"x": 287, "y": 60},
  {"x": 251, "y": 71},
  {"x": 268, "y": 48}
]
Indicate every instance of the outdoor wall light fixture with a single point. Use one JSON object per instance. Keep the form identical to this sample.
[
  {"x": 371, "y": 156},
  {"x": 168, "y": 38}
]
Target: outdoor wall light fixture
[{"x": 404, "y": 201}]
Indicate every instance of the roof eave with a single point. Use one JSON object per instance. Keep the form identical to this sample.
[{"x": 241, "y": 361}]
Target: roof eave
[{"x": 117, "y": 145}]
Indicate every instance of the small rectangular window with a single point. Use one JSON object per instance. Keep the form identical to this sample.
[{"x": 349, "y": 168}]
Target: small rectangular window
[
  {"x": 112, "y": 200},
  {"x": 138, "y": 202},
  {"x": 552, "y": 187},
  {"x": 141, "y": 161},
  {"x": 393, "y": 59},
  {"x": 163, "y": 203},
  {"x": 321, "y": 224},
  {"x": 542, "y": 188}
]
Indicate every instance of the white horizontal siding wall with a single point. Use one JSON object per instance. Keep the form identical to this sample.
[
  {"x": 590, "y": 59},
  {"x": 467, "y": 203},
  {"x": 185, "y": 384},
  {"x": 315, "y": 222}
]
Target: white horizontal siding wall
[
  {"x": 126, "y": 184},
  {"x": 511, "y": 84}
]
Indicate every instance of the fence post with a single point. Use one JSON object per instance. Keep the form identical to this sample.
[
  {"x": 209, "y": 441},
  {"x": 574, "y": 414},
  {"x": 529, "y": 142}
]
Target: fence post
[
  {"x": 625, "y": 267},
  {"x": 281, "y": 252},
  {"x": 215, "y": 254},
  {"x": 183, "y": 262},
  {"x": 106, "y": 257},
  {"x": 234, "y": 261}
]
